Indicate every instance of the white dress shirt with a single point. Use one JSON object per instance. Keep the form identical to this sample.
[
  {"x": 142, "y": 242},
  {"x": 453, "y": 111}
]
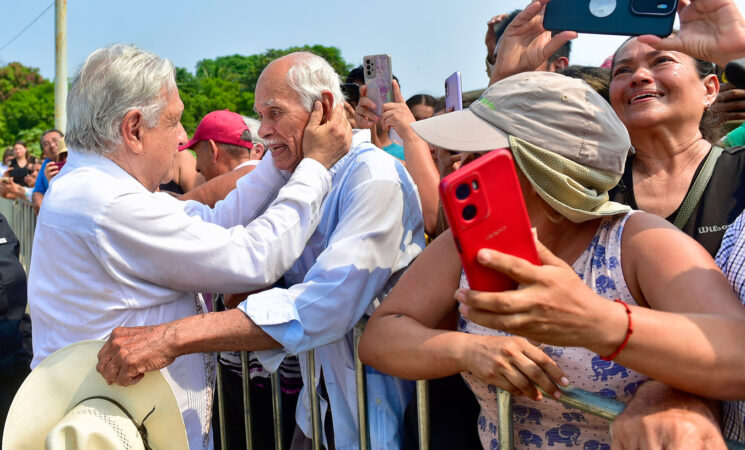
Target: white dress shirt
[{"x": 109, "y": 253}]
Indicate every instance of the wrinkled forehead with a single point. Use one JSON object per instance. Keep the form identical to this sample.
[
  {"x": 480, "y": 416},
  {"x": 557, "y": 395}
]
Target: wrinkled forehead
[
  {"x": 272, "y": 88},
  {"x": 273, "y": 91}
]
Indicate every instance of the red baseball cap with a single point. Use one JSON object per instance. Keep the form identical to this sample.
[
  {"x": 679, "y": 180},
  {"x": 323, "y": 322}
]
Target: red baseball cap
[{"x": 222, "y": 126}]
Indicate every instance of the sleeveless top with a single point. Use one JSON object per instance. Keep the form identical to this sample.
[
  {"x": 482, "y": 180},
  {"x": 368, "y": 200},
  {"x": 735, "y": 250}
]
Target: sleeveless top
[
  {"x": 722, "y": 201},
  {"x": 549, "y": 423}
]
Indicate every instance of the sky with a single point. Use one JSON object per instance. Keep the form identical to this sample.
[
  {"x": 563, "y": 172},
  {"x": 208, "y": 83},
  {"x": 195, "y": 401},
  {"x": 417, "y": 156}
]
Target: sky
[{"x": 427, "y": 40}]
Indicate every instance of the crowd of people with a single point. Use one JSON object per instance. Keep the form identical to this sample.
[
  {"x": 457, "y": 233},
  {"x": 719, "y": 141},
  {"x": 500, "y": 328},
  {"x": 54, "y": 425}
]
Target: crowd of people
[{"x": 277, "y": 235}]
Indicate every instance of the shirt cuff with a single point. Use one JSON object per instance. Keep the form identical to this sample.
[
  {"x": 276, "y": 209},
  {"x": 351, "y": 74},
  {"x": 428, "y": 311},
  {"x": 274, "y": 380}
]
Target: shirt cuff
[{"x": 274, "y": 312}]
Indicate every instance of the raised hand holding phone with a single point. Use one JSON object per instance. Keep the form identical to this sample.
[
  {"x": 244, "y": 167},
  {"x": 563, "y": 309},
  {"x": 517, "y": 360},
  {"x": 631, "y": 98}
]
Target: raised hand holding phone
[
  {"x": 484, "y": 206},
  {"x": 711, "y": 30},
  {"x": 620, "y": 17},
  {"x": 378, "y": 80},
  {"x": 525, "y": 44},
  {"x": 453, "y": 93}
]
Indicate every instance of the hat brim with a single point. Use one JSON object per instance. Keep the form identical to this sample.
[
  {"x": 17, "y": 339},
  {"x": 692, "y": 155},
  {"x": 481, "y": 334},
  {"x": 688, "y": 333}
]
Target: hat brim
[
  {"x": 68, "y": 376},
  {"x": 188, "y": 145},
  {"x": 461, "y": 131}
]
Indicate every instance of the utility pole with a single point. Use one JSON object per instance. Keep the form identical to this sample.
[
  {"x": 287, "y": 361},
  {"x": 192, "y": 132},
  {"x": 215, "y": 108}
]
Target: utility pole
[{"x": 60, "y": 55}]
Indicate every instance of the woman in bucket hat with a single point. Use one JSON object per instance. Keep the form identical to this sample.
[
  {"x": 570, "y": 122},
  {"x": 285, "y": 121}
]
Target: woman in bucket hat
[{"x": 569, "y": 149}]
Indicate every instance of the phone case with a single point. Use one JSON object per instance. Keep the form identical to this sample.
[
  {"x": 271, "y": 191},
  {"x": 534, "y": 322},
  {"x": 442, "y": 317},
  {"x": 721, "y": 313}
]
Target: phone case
[
  {"x": 621, "y": 17},
  {"x": 379, "y": 80},
  {"x": 453, "y": 93},
  {"x": 484, "y": 206}
]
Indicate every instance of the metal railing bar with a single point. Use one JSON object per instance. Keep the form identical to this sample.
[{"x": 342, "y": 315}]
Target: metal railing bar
[
  {"x": 221, "y": 408},
  {"x": 359, "y": 370},
  {"x": 277, "y": 410},
  {"x": 504, "y": 416},
  {"x": 315, "y": 410},
  {"x": 422, "y": 413},
  {"x": 247, "y": 422}
]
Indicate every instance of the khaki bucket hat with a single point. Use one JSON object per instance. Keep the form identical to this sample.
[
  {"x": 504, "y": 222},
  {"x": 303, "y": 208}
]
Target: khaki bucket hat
[{"x": 565, "y": 137}]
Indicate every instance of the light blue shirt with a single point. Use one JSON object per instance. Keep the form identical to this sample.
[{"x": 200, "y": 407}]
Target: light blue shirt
[
  {"x": 731, "y": 259},
  {"x": 371, "y": 228}
]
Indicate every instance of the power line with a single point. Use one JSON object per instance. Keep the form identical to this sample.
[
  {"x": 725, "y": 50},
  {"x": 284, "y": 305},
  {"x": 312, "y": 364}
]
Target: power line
[{"x": 27, "y": 27}]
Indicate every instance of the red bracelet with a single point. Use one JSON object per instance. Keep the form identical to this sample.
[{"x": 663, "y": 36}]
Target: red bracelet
[{"x": 629, "y": 330}]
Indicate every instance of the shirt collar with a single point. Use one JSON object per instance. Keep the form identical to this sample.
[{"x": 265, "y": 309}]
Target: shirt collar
[
  {"x": 358, "y": 137},
  {"x": 77, "y": 159}
]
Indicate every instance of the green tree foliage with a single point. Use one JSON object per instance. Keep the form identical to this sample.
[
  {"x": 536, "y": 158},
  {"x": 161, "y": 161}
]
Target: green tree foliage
[
  {"x": 202, "y": 95},
  {"x": 226, "y": 82},
  {"x": 15, "y": 77},
  {"x": 245, "y": 70},
  {"x": 26, "y": 114}
]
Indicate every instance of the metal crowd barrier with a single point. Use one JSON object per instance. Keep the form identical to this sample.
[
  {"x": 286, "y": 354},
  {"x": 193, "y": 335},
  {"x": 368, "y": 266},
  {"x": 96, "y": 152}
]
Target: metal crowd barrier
[
  {"x": 22, "y": 221},
  {"x": 580, "y": 399}
]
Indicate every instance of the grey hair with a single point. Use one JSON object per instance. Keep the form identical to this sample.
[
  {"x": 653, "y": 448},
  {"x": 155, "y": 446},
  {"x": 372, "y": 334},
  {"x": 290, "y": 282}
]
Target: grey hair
[
  {"x": 112, "y": 82},
  {"x": 310, "y": 75},
  {"x": 254, "y": 125}
]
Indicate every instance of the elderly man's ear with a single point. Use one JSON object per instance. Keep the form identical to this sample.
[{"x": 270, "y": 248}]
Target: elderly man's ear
[
  {"x": 131, "y": 128},
  {"x": 327, "y": 101}
]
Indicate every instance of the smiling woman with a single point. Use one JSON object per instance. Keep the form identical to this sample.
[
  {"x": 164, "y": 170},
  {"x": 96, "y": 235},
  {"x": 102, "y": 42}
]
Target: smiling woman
[{"x": 663, "y": 99}]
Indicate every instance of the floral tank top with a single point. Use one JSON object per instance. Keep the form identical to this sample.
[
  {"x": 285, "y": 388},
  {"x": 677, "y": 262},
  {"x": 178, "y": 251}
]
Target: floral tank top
[{"x": 550, "y": 424}]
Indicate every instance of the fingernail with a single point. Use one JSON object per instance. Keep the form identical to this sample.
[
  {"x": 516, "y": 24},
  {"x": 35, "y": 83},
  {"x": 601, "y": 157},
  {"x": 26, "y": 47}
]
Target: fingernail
[
  {"x": 484, "y": 255},
  {"x": 460, "y": 295},
  {"x": 463, "y": 310},
  {"x": 557, "y": 394},
  {"x": 564, "y": 381}
]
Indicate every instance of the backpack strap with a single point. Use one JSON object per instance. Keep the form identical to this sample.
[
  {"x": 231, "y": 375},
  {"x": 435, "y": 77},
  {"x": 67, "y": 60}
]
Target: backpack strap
[{"x": 697, "y": 188}]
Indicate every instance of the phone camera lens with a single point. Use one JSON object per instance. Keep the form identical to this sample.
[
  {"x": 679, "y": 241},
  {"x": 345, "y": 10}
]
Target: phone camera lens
[
  {"x": 469, "y": 212},
  {"x": 462, "y": 191}
]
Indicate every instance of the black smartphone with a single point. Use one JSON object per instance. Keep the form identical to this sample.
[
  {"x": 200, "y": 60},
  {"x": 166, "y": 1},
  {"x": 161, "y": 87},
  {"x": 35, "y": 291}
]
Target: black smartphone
[{"x": 621, "y": 17}]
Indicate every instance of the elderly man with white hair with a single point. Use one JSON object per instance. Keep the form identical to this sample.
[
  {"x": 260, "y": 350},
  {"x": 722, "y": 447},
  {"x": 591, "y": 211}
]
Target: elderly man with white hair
[
  {"x": 371, "y": 228},
  {"x": 109, "y": 251}
]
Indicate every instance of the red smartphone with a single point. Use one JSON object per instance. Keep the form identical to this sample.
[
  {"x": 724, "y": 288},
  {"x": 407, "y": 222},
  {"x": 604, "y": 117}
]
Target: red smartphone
[{"x": 484, "y": 206}]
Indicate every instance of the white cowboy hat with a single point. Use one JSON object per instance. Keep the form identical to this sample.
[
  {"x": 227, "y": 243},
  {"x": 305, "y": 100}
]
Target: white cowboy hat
[{"x": 65, "y": 401}]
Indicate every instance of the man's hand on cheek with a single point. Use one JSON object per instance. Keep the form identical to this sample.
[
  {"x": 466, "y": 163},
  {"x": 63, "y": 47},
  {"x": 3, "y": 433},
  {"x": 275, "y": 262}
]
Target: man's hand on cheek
[{"x": 327, "y": 142}]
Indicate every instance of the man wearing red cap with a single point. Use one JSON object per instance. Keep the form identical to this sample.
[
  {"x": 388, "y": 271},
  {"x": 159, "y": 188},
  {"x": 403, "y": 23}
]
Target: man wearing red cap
[{"x": 224, "y": 141}]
